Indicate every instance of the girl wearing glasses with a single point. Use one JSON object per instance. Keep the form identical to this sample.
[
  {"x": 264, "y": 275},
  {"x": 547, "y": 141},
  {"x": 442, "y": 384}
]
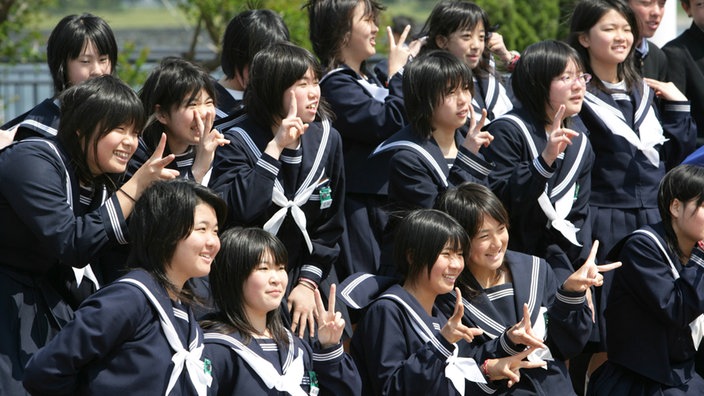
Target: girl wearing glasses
[{"x": 543, "y": 158}]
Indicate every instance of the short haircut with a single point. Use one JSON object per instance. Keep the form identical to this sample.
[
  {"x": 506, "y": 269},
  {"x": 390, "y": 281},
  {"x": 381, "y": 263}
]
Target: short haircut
[
  {"x": 168, "y": 85},
  {"x": 330, "y": 21},
  {"x": 450, "y": 16},
  {"x": 162, "y": 217},
  {"x": 420, "y": 238},
  {"x": 427, "y": 81},
  {"x": 585, "y": 16},
  {"x": 70, "y": 37},
  {"x": 89, "y": 111},
  {"x": 684, "y": 183},
  {"x": 272, "y": 72},
  {"x": 241, "y": 250},
  {"x": 246, "y": 34},
  {"x": 538, "y": 66},
  {"x": 469, "y": 204}
]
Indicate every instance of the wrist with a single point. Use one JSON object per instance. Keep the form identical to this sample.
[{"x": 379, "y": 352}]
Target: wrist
[
  {"x": 307, "y": 283},
  {"x": 485, "y": 370},
  {"x": 513, "y": 58}
]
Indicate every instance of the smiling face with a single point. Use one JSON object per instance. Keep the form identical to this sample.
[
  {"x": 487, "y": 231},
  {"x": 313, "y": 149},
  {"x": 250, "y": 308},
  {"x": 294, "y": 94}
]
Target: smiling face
[
  {"x": 467, "y": 45},
  {"x": 181, "y": 124},
  {"x": 488, "y": 247},
  {"x": 113, "y": 151},
  {"x": 447, "y": 267},
  {"x": 451, "y": 113},
  {"x": 360, "y": 41},
  {"x": 688, "y": 223},
  {"x": 195, "y": 253},
  {"x": 609, "y": 41},
  {"x": 265, "y": 287},
  {"x": 649, "y": 14},
  {"x": 307, "y": 93},
  {"x": 566, "y": 89},
  {"x": 88, "y": 64}
]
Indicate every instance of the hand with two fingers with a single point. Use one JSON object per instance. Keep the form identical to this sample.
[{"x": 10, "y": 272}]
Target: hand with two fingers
[
  {"x": 454, "y": 330},
  {"x": 559, "y": 138},
  {"x": 207, "y": 144},
  {"x": 330, "y": 323},
  {"x": 510, "y": 367},
  {"x": 399, "y": 52},
  {"x": 476, "y": 138},
  {"x": 289, "y": 130},
  {"x": 589, "y": 274}
]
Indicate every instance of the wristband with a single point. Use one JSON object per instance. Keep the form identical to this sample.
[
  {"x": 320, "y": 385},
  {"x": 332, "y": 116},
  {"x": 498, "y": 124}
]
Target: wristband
[
  {"x": 511, "y": 65},
  {"x": 307, "y": 283},
  {"x": 485, "y": 370}
]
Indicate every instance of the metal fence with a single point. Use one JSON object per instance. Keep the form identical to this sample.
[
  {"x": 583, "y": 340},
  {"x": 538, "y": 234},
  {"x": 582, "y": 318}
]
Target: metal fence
[{"x": 22, "y": 86}]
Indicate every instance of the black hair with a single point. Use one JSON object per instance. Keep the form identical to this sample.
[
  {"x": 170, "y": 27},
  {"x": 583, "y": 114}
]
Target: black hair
[
  {"x": 421, "y": 237},
  {"x": 174, "y": 80},
  {"x": 585, "y": 16},
  {"x": 399, "y": 23},
  {"x": 246, "y": 34},
  {"x": 330, "y": 21},
  {"x": 91, "y": 110},
  {"x": 241, "y": 250},
  {"x": 272, "y": 72},
  {"x": 684, "y": 183},
  {"x": 538, "y": 66},
  {"x": 450, "y": 16},
  {"x": 427, "y": 81},
  {"x": 162, "y": 217},
  {"x": 68, "y": 40}
]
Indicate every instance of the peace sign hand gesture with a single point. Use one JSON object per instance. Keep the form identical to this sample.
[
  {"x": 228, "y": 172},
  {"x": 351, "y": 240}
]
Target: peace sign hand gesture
[
  {"x": 589, "y": 274},
  {"x": 398, "y": 52},
  {"x": 558, "y": 138},
  {"x": 330, "y": 323},
  {"x": 476, "y": 138},
  {"x": 454, "y": 330},
  {"x": 522, "y": 332},
  {"x": 289, "y": 131}
]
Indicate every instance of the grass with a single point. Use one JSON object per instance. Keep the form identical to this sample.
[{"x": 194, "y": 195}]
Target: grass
[{"x": 129, "y": 18}]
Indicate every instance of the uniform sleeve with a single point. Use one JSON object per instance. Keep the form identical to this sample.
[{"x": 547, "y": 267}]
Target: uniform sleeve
[
  {"x": 326, "y": 231},
  {"x": 337, "y": 373},
  {"x": 360, "y": 117},
  {"x": 34, "y": 182},
  {"x": 681, "y": 131},
  {"x": 102, "y": 324},
  {"x": 647, "y": 276},
  {"x": 518, "y": 179},
  {"x": 386, "y": 361},
  {"x": 677, "y": 69},
  {"x": 469, "y": 167},
  {"x": 244, "y": 182}
]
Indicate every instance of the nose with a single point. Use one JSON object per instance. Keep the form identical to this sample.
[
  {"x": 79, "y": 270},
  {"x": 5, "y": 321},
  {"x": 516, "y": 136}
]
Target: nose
[{"x": 457, "y": 261}]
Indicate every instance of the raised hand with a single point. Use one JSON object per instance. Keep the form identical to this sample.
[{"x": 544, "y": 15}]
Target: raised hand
[
  {"x": 522, "y": 332},
  {"x": 589, "y": 274},
  {"x": 510, "y": 366},
  {"x": 496, "y": 46},
  {"x": 154, "y": 168},
  {"x": 398, "y": 52},
  {"x": 302, "y": 305},
  {"x": 330, "y": 323},
  {"x": 289, "y": 131},
  {"x": 454, "y": 330},
  {"x": 476, "y": 138},
  {"x": 559, "y": 138},
  {"x": 209, "y": 141}
]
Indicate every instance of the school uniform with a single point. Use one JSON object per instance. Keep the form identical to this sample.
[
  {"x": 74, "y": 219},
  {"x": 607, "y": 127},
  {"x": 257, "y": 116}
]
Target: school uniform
[
  {"x": 548, "y": 205},
  {"x": 367, "y": 111},
  {"x": 298, "y": 197},
  {"x": 229, "y": 107},
  {"x": 182, "y": 163},
  {"x": 398, "y": 347},
  {"x": 129, "y": 338},
  {"x": 651, "y": 61},
  {"x": 490, "y": 95},
  {"x": 635, "y": 141},
  {"x": 40, "y": 121},
  {"x": 54, "y": 237},
  {"x": 654, "y": 307},
  {"x": 686, "y": 69},
  {"x": 263, "y": 367},
  {"x": 562, "y": 318}
]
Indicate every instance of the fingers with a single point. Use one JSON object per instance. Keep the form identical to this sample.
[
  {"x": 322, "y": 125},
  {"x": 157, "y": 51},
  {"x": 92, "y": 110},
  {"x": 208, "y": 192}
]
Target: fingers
[
  {"x": 293, "y": 105},
  {"x": 319, "y": 307},
  {"x": 478, "y": 127},
  {"x": 608, "y": 267},
  {"x": 557, "y": 121},
  {"x": 459, "y": 307},
  {"x": 209, "y": 119},
  {"x": 404, "y": 35},
  {"x": 390, "y": 35},
  {"x": 199, "y": 123},
  {"x": 526, "y": 317},
  {"x": 592, "y": 253},
  {"x": 159, "y": 150},
  {"x": 311, "y": 326},
  {"x": 331, "y": 299}
]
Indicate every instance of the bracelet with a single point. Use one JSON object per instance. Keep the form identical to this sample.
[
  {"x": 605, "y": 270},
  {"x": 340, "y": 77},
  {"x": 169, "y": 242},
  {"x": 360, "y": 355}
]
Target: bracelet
[
  {"x": 511, "y": 65},
  {"x": 307, "y": 283},
  {"x": 485, "y": 370},
  {"x": 127, "y": 195}
]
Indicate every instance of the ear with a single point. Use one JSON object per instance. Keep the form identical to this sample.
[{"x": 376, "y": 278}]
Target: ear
[
  {"x": 675, "y": 208},
  {"x": 686, "y": 7},
  {"x": 161, "y": 116},
  {"x": 583, "y": 40},
  {"x": 441, "y": 41}
]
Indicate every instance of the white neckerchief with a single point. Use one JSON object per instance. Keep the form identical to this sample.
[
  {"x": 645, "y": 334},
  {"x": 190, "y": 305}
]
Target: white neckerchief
[
  {"x": 293, "y": 370},
  {"x": 457, "y": 369},
  {"x": 651, "y": 133},
  {"x": 557, "y": 214},
  {"x": 541, "y": 331},
  {"x": 301, "y": 196},
  {"x": 697, "y": 325},
  {"x": 190, "y": 359}
]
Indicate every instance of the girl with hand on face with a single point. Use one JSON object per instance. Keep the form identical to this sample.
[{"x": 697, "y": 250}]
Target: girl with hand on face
[
  {"x": 462, "y": 28},
  {"x": 516, "y": 299},
  {"x": 654, "y": 317},
  {"x": 367, "y": 111},
  {"x": 179, "y": 98},
  {"x": 543, "y": 158},
  {"x": 404, "y": 345},
  {"x": 138, "y": 335},
  {"x": 61, "y": 211},
  {"x": 80, "y": 47},
  {"x": 282, "y": 171},
  {"x": 250, "y": 349}
]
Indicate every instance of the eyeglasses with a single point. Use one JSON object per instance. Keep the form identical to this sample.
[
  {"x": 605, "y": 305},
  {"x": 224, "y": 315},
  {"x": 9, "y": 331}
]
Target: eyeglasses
[{"x": 569, "y": 79}]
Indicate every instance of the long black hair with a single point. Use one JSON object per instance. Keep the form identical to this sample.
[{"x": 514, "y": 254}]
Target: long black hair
[{"x": 684, "y": 183}]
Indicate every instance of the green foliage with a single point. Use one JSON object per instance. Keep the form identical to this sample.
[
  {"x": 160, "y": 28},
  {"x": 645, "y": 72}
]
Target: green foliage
[
  {"x": 131, "y": 64},
  {"x": 524, "y": 22},
  {"x": 19, "y": 38}
]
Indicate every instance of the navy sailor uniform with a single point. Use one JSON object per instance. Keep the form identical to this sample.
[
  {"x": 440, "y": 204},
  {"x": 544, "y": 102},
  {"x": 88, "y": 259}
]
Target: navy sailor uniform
[
  {"x": 398, "y": 347},
  {"x": 128, "y": 338},
  {"x": 653, "y": 301},
  {"x": 51, "y": 230},
  {"x": 564, "y": 317},
  {"x": 182, "y": 163},
  {"x": 490, "y": 94},
  {"x": 40, "y": 121},
  {"x": 229, "y": 106},
  {"x": 263, "y": 367},
  {"x": 521, "y": 179},
  {"x": 367, "y": 112}
]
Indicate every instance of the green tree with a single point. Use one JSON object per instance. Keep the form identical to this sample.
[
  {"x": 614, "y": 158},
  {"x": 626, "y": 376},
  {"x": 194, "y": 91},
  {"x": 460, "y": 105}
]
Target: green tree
[
  {"x": 524, "y": 22},
  {"x": 19, "y": 37}
]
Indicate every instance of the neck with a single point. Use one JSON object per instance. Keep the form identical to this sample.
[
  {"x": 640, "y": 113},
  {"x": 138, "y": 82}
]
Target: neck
[
  {"x": 232, "y": 83},
  {"x": 177, "y": 148},
  {"x": 605, "y": 72},
  {"x": 353, "y": 64},
  {"x": 424, "y": 297},
  {"x": 446, "y": 141},
  {"x": 258, "y": 322},
  {"x": 488, "y": 278}
]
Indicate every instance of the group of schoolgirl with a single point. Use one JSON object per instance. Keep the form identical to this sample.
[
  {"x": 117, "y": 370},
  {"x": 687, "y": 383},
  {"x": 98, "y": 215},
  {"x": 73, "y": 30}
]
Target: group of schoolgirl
[{"x": 411, "y": 139}]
